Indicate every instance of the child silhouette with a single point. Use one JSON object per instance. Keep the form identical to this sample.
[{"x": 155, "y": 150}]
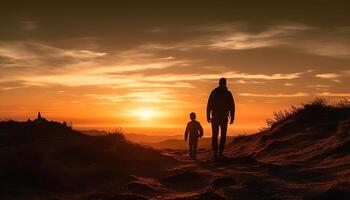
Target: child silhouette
[{"x": 193, "y": 131}]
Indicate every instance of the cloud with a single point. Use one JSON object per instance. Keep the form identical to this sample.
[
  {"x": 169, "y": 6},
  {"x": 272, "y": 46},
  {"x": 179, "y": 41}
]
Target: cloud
[
  {"x": 273, "y": 36},
  {"x": 333, "y": 49},
  {"x": 319, "y": 86},
  {"x": 263, "y": 76},
  {"x": 241, "y": 81},
  {"x": 12, "y": 85},
  {"x": 81, "y": 54},
  {"x": 155, "y": 97},
  {"x": 229, "y": 75},
  {"x": 35, "y": 57},
  {"x": 229, "y": 37},
  {"x": 115, "y": 77},
  {"x": 35, "y": 63},
  {"x": 25, "y": 50},
  {"x": 28, "y": 25},
  {"x": 180, "y": 46},
  {"x": 38, "y": 64},
  {"x": 155, "y": 85},
  {"x": 278, "y": 95},
  {"x": 167, "y": 58},
  {"x": 318, "y": 41},
  {"x": 331, "y": 42},
  {"x": 328, "y": 76},
  {"x": 106, "y": 99},
  {"x": 346, "y": 72},
  {"x": 101, "y": 79},
  {"x": 331, "y": 94}
]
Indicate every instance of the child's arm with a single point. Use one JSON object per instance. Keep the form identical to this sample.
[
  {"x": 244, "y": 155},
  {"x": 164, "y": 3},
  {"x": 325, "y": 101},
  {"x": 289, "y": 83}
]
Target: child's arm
[
  {"x": 186, "y": 132},
  {"x": 200, "y": 129}
]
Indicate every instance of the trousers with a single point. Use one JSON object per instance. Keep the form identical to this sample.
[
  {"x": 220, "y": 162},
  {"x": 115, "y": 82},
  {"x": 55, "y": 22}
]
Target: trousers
[
  {"x": 217, "y": 124},
  {"x": 193, "y": 142}
]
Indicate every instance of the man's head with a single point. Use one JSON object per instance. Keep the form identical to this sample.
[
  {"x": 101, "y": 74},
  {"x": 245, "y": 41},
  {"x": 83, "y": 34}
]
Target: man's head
[
  {"x": 222, "y": 82},
  {"x": 193, "y": 116}
]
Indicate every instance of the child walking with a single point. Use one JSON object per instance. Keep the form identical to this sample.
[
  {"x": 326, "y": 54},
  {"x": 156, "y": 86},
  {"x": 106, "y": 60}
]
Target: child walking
[{"x": 193, "y": 131}]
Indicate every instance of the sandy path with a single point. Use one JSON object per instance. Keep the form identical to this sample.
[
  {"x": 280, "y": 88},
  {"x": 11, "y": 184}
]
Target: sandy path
[{"x": 233, "y": 178}]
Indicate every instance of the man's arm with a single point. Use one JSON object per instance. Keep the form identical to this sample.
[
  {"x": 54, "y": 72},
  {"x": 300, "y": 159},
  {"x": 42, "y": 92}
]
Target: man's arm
[
  {"x": 209, "y": 107},
  {"x": 186, "y": 132},
  {"x": 232, "y": 108}
]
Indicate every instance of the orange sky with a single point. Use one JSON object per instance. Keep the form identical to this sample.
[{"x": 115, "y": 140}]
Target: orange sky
[{"x": 145, "y": 66}]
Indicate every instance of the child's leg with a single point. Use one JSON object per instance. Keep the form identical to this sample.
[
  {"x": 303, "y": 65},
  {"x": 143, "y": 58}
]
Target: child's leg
[
  {"x": 195, "y": 144},
  {"x": 190, "y": 148}
]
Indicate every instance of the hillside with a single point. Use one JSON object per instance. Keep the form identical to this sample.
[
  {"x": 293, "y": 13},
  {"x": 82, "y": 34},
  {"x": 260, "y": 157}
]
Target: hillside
[
  {"x": 315, "y": 133},
  {"x": 43, "y": 157},
  {"x": 306, "y": 147}
]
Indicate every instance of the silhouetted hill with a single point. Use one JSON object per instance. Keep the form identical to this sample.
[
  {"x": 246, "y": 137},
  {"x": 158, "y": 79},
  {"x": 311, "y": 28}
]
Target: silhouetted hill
[
  {"x": 13, "y": 132},
  {"x": 40, "y": 157},
  {"x": 94, "y": 132},
  {"x": 316, "y": 131},
  {"x": 307, "y": 144}
]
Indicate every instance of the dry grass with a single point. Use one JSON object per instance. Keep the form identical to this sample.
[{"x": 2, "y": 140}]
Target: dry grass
[{"x": 319, "y": 108}]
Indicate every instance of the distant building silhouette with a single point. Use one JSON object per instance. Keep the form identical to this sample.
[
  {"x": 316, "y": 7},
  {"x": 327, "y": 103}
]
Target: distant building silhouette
[
  {"x": 39, "y": 116},
  {"x": 40, "y": 119}
]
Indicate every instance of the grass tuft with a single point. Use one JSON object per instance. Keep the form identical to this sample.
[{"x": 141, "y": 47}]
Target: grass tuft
[{"x": 315, "y": 110}]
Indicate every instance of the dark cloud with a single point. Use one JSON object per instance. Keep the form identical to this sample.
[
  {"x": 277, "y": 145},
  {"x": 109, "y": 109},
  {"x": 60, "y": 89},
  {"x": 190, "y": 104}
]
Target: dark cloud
[{"x": 126, "y": 18}]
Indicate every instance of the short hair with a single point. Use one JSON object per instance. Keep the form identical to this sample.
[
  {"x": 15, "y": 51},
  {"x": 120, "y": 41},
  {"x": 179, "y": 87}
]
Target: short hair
[
  {"x": 222, "y": 81},
  {"x": 193, "y": 115}
]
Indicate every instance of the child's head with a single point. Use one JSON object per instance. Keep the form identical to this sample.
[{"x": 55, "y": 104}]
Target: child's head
[{"x": 193, "y": 116}]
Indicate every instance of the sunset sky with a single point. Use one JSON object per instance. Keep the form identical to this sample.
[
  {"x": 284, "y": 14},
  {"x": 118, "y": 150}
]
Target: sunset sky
[{"x": 145, "y": 65}]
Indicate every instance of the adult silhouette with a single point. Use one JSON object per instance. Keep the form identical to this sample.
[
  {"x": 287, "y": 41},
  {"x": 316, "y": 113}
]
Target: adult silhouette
[{"x": 220, "y": 107}]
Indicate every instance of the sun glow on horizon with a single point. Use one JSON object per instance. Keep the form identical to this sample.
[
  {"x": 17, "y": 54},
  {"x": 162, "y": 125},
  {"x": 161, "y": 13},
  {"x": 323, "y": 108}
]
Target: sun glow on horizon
[{"x": 145, "y": 114}]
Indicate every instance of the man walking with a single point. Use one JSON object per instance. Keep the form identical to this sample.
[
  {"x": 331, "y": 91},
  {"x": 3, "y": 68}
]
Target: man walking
[{"x": 220, "y": 106}]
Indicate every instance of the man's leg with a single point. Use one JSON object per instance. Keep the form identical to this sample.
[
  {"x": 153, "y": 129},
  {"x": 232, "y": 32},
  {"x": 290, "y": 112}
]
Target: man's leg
[
  {"x": 214, "y": 140},
  {"x": 223, "y": 127}
]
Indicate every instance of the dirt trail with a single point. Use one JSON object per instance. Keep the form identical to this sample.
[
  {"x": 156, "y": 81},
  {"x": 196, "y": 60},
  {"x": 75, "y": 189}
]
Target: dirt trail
[{"x": 232, "y": 178}]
